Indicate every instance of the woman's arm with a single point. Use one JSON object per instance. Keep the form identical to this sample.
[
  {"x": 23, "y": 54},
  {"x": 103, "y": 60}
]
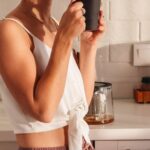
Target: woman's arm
[
  {"x": 38, "y": 97},
  {"x": 87, "y": 57},
  {"x": 87, "y": 68}
]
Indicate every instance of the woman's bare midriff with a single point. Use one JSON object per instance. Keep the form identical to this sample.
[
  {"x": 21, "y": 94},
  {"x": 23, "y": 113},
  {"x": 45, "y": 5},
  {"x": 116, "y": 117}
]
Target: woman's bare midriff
[{"x": 54, "y": 138}]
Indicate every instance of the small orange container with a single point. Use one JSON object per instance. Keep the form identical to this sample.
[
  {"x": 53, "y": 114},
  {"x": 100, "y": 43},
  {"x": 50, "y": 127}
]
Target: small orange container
[{"x": 142, "y": 96}]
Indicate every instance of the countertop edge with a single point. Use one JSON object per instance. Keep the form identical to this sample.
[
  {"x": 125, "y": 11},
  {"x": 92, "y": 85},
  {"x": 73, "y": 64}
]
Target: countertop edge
[
  {"x": 120, "y": 134},
  {"x": 97, "y": 135}
]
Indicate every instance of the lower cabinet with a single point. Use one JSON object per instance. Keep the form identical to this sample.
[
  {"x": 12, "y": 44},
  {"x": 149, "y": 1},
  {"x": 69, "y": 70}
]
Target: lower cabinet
[
  {"x": 8, "y": 146},
  {"x": 134, "y": 145},
  {"x": 105, "y": 145},
  {"x": 122, "y": 145}
]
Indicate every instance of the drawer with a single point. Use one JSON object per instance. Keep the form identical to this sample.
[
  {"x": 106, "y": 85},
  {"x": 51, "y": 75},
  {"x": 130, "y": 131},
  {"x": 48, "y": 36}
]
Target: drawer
[
  {"x": 133, "y": 145},
  {"x": 105, "y": 145}
]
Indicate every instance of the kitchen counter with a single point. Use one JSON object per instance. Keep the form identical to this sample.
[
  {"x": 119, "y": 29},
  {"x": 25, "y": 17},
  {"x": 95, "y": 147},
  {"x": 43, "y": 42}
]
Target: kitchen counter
[{"x": 132, "y": 122}]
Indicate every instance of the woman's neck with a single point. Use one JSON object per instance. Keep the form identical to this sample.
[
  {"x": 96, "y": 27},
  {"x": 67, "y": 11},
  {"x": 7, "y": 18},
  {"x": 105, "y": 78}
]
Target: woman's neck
[{"x": 41, "y": 9}]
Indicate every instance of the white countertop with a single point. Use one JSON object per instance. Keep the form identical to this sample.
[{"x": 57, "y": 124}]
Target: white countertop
[{"x": 132, "y": 122}]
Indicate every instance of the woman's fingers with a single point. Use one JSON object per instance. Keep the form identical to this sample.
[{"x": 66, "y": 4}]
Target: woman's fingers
[
  {"x": 73, "y": 20},
  {"x": 101, "y": 22},
  {"x": 76, "y": 4},
  {"x": 77, "y": 11},
  {"x": 72, "y": 1}
]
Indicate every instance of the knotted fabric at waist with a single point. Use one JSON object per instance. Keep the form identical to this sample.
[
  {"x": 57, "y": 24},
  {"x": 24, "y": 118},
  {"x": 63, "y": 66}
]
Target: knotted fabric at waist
[{"x": 78, "y": 128}]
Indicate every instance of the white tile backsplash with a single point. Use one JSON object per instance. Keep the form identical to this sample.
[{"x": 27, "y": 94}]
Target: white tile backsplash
[
  {"x": 117, "y": 70},
  {"x": 121, "y": 53},
  {"x": 105, "y": 8},
  {"x": 129, "y": 10},
  {"x": 123, "y": 89},
  {"x": 121, "y": 32},
  {"x": 145, "y": 30},
  {"x": 103, "y": 54}
]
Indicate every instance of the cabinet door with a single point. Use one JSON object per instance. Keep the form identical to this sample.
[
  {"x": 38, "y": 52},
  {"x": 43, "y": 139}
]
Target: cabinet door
[
  {"x": 8, "y": 146},
  {"x": 106, "y": 145},
  {"x": 133, "y": 145}
]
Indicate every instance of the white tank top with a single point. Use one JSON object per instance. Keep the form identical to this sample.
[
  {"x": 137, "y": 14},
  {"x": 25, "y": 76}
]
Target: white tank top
[{"x": 71, "y": 110}]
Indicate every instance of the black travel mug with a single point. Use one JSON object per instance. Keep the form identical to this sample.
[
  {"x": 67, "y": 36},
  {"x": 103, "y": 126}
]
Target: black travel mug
[{"x": 92, "y": 8}]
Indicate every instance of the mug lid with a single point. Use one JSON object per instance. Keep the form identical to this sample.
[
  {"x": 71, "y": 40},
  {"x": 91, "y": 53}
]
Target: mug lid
[{"x": 146, "y": 80}]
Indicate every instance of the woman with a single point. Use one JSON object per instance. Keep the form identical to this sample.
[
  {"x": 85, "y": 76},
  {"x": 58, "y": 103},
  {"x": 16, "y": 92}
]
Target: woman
[{"x": 44, "y": 92}]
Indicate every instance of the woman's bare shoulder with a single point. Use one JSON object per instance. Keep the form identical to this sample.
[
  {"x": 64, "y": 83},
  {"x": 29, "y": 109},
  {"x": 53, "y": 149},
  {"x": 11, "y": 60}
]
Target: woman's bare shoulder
[
  {"x": 12, "y": 33},
  {"x": 9, "y": 28}
]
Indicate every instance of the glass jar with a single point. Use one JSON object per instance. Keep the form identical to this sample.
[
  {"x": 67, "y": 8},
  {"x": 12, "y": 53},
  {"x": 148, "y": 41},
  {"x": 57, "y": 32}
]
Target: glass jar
[{"x": 101, "y": 107}]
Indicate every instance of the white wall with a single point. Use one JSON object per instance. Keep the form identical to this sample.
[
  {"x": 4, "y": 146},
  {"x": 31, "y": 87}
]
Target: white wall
[
  {"x": 128, "y": 22},
  {"x": 58, "y": 7},
  {"x": 7, "y": 5}
]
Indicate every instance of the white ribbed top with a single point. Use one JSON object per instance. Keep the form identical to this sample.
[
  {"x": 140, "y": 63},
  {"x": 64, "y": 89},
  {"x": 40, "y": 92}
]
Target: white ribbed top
[{"x": 72, "y": 107}]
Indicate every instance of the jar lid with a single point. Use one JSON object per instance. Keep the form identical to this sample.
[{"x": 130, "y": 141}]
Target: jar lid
[
  {"x": 102, "y": 84},
  {"x": 146, "y": 80}
]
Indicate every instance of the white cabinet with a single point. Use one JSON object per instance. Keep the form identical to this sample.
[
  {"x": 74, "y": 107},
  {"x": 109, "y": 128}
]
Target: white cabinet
[
  {"x": 134, "y": 145},
  {"x": 106, "y": 145},
  {"x": 122, "y": 145},
  {"x": 8, "y": 146}
]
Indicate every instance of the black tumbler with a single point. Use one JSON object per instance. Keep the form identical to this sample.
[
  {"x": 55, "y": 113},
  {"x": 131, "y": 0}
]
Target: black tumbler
[{"x": 92, "y": 8}]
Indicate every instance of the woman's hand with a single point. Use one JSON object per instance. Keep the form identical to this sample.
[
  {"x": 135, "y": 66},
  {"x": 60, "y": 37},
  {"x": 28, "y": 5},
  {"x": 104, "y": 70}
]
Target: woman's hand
[
  {"x": 91, "y": 38},
  {"x": 72, "y": 23}
]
